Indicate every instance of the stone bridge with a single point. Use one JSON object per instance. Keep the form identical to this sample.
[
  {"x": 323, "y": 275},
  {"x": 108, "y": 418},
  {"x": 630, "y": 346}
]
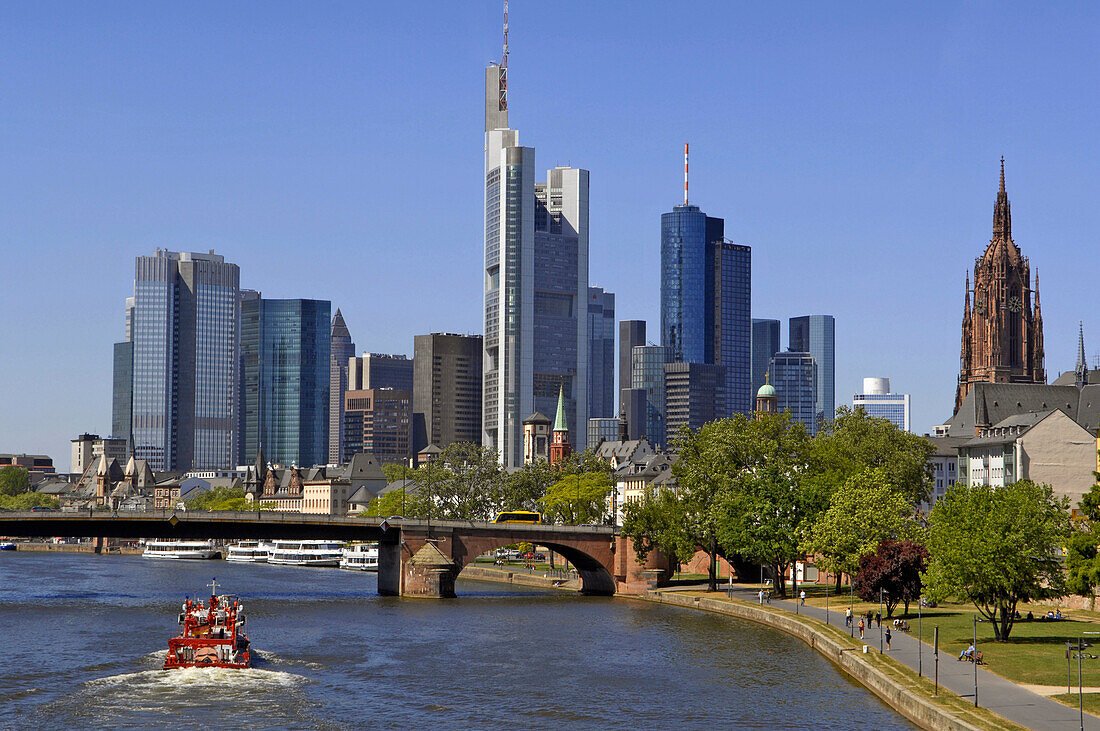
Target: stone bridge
[{"x": 416, "y": 557}]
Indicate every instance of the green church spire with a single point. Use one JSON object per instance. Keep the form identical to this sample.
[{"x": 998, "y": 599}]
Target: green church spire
[{"x": 560, "y": 424}]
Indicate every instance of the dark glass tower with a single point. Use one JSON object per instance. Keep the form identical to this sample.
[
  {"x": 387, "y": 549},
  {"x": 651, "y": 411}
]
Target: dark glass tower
[
  {"x": 765, "y": 344},
  {"x": 341, "y": 351},
  {"x": 816, "y": 335}
]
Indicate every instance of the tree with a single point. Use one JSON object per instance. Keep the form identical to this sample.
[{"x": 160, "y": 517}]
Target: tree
[
  {"x": 1090, "y": 502},
  {"x": 1083, "y": 563},
  {"x": 220, "y": 498},
  {"x": 14, "y": 480},
  {"x": 895, "y": 569},
  {"x": 525, "y": 487},
  {"x": 395, "y": 471},
  {"x": 577, "y": 499},
  {"x": 28, "y": 500},
  {"x": 997, "y": 546},
  {"x": 465, "y": 482},
  {"x": 656, "y": 523},
  {"x": 863, "y": 512},
  {"x": 396, "y": 502},
  {"x": 854, "y": 442}
]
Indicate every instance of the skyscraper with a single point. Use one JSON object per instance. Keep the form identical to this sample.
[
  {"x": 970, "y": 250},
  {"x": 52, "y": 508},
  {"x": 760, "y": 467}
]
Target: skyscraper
[
  {"x": 695, "y": 394},
  {"x": 631, "y": 334},
  {"x": 794, "y": 377},
  {"x": 379, "y": 370},
  {"x": 816, "y": 335},
  {"x": 706, "y": 286},
  {"x": 877, "y": 401},
  {"x": 341, "y": 349},
  {"x": 183, "y": 328},
  {"x": 649, "y": 375},
  {"x": 378, "y": 421},
  {"x": 601, "y": 353},
  {"x": 285, "y": 371},
  {"x": 122, "y": 393},
  {"x": 535, "y": 283},
  {"x": 765, "y": 344},
  {"x": 446, "y": 390}
]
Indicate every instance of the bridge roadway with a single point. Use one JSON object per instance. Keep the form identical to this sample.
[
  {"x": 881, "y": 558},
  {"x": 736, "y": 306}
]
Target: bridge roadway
[{"x": 404, "y": 568}]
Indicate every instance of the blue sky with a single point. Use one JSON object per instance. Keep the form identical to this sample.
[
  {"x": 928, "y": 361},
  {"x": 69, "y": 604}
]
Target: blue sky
[{"x": 334, "y": 150}]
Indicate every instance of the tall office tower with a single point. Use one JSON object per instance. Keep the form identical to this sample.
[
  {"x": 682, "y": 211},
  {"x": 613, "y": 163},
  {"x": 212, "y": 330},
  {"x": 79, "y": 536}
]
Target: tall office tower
[
  {"x": 378, "y": 421},
  {"x": 285, "y": 379},
  {"x": 601, "y": 353},
  {"x": 632, "y": 411},
  {"x": 122, "y": 394},
  {"x": 536, "y": 284},
  {"x": 377, "y": 370},
  {"x": 706, "y": 286},
  {"x": 184, "y": 334},
  {"x": 446, "y": 390},
  {"x": 602, "y": 429},
  {"x": 765, "y": 344},
  {"x": 341, "y": 350},
  {"x": 695, "y": 393},
  {"x": 877, "y": 401},
  {"x": 816, "y": 335},
  {"x": 648, "y": 365},
  {"x": 631, "y": 334},
  {"x": 794, "y": 377}
]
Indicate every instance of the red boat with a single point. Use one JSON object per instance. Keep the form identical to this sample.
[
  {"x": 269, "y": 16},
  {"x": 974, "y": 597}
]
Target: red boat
[{"x": 212, "y": 634}]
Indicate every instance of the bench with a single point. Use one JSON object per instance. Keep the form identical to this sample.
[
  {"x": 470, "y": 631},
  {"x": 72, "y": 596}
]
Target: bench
[{"x": 903, "y": 626}]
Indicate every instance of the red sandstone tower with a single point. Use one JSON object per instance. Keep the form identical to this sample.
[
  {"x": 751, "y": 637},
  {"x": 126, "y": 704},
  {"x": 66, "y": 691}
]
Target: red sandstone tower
[
  {"x": 1002, "y": 334},
  {"x": 560, "y": 448}
]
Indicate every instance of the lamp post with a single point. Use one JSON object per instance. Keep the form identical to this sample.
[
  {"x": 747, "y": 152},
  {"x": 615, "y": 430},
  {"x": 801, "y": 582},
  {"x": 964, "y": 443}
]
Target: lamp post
[
  {"x": 974, "y": 659},
  {"x": 880, "y": 619},
  {"x": 826, "y": 597},
  {"x": 851, "y": 607},
  {"x": 920, "y": 634}
]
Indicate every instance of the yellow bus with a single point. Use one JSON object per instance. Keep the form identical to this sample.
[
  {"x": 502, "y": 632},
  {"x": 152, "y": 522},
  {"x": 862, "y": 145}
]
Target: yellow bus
[{"x": 519, "y": 516}]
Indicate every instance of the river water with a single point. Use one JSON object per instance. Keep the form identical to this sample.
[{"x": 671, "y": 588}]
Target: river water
[{"x": 82, "y": 639}]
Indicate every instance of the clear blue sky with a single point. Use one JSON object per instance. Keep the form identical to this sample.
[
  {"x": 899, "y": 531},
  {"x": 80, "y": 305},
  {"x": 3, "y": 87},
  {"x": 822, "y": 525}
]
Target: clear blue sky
[{"x": 334, "y": 150}]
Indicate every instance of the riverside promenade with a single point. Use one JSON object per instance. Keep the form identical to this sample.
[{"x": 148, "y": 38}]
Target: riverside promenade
[{"x": 1005, "y": 698}]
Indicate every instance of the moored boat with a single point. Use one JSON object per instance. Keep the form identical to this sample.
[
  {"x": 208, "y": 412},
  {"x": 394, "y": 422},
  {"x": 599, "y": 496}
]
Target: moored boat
[
  {"x": 6, "y": 545},
  {"x": 167, "y": 548},
  {"x": 249, "y": 552},
  {"x": 305, "y": 553},
  {"x": 211, "y": 634},
  {"x": 360, "y": 557}
]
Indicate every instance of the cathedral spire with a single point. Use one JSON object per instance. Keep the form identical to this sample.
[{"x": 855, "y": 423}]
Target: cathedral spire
[
  {"x": 1082, "y": 369},
  {"x": 1002, "y": 211}
]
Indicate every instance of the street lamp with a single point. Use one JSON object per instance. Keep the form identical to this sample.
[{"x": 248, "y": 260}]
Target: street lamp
[
  {"x": 880, "y": 619},
  {"x": 920, "y": 634},
  {"x": 851, "y": 607}
]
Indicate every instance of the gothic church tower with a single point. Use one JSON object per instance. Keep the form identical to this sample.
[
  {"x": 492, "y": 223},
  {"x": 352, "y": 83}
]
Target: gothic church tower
[{"x": 1002, "y": 328}]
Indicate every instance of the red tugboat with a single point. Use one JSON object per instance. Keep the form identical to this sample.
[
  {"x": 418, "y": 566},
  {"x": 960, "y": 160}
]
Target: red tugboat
[{"x": 212, "y": 634}]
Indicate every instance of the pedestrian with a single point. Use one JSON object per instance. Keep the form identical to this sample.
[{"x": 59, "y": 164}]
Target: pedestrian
[
  {"x": 887, "y": 638},
  {"x": 878, "y": 619},
  {"x": 860, "y": 626},
  {"x": 848, "y": 617},
  {"x": 760, "y": 596},
  {"x": 768, "y": 596},
  {"x": 802, "y": 596}
]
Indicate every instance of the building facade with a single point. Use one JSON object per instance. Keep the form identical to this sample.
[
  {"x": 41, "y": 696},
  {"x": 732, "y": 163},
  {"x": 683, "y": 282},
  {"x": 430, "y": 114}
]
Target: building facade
[
  {"x": 379, "y": 370},
  {"x": 1002, "y": 325},
  {"x": 601, "y": 353},
  {"x": 649, "y": 376},
  {"x": 183, "y": 328},
  {"x": 631, "y": 335},
  {"x": 446, "y": 397},
  {"x": 285, "y": 379},
  {"x": 535, "y": 284},
  {"x": 603, "y": 430},
  {"x": 87, "y": 447},
  {"x": 378, "y": 422},
  {"x": 695, "y": 394},
  {"x": 877, "y": 400},
  {"x": 816, "y": 335},
  {"x": 794, "y": 377},
  {"x": 341, "y": 350},
  {"x": 765, "y": 344}
]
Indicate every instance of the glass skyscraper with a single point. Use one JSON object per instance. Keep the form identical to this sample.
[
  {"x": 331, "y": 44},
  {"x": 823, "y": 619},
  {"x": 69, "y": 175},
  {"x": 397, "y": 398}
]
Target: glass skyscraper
[
  {"x": 794, "y": 377},
  {"x": 816, "y": 335},
  {"x": 601, "y": 353},
  {"x": 183, "y": 327},
  {"x": 706, "y": 288},
  {"x": 285, "y": 368},
  {"x": 648, "y": 374},
  {"x": 765, "y": 344},
  {"x": 877, "y": 401},
  {"x": 341, "y": 350}
]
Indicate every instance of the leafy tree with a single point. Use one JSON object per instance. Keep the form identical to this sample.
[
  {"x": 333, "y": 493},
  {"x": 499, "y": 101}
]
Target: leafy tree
[
  {"x": 577, "y": 499},
  {"x": 525, "y": 487},
  {"x": 656, "y": 523},
  {"x": 395, "y": 471},
  {"x": 1083, "y": 563},
  {"x": 465, "y": 483},
  {"x": 397, "y": 502},
  {"x": 220, "y": 498},
  {"x": 894, "y": 568},
  {"x": 1090, "y": 502},
  {"x": 996, "y": 547},
  {"x": 28, "y": 500},
  {"x": 854, "y": 442},
  {"x": 863, "y": 512},
  {"x": 14, "y": 480}
]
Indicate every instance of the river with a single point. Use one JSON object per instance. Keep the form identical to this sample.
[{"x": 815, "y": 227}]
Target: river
[{"x": 82, "y": 638}]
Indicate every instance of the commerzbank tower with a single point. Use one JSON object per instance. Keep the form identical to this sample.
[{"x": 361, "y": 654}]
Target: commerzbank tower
[{"x": 536, "y": 283}]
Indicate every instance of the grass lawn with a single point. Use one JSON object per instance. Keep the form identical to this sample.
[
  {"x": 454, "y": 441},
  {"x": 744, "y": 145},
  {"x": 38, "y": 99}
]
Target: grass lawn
[{"x": 1092, "y": 701}]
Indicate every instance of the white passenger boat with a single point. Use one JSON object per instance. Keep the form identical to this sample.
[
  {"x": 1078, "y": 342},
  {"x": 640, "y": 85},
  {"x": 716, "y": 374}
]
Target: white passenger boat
[
  {"x": 360, "y": 557},
  {"x": 249, "y": 552},
  {"x": 305, "y": 553},
  {"x": 164, "y": 548}
]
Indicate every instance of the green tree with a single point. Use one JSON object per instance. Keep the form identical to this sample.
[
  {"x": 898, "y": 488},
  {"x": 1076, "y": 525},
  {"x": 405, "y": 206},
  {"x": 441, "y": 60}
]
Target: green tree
[
  {"x": 395, "y": 471},
  {"x": 28, "y": 500},
  {"x": 656, "y": 523},
  {"x": 14, "y": 480},
  {"x": 1090, "y": 502},
  {"x": 220, "y": 498},
  {"x": 525, "y": 487},
  {"x": 396, "y": 502},
  {"x": 854, "y": 442},
  {"x": 863, "y": 512},
  {"x": 997, "y": 546},
  {"x": 466, "y": 482},
  {"x": 577, "y": 499}
]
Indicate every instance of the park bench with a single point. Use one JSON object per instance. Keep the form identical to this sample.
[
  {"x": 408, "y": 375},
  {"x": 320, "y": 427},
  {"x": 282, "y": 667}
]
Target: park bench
[
  {"x": 903, "y": 626},
  {"x": 979, "y": 658}
]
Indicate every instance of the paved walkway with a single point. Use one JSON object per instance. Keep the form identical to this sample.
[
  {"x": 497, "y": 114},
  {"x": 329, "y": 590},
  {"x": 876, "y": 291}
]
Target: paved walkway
[{"x": 999, "y": 695}]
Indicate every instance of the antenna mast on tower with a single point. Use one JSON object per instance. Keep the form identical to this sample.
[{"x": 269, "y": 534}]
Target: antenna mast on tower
[
  {"x": 685, "y": 173},
  {"x": 503, "y": 85}
]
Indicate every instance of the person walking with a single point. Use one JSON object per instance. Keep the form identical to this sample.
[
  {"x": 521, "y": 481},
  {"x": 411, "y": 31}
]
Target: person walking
[
  {"x": 860, "y": 627},
  {"x": 760, "y": 596},
  {"x": 802, "y": 596},
  {"x": 848, "y": 617},
  {"x": 878, "y": 620},
  {"x": 887, "y": 638}
]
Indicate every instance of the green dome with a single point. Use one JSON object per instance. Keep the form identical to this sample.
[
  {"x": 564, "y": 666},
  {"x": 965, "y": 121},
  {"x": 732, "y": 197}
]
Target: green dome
[{"x": 766, "y": 390}]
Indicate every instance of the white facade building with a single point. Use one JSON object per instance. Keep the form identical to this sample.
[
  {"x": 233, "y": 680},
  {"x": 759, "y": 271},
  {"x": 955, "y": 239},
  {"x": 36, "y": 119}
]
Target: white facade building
[{"x": 877, "y": 401}]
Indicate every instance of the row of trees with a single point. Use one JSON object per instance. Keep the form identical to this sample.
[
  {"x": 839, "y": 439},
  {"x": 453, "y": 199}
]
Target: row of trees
[{"x": 16, "y": 494}]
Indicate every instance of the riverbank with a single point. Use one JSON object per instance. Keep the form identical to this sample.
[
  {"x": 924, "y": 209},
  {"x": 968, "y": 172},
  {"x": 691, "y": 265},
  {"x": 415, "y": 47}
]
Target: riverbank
[
  {"x": 76, "y": 548},
  {"x": 487, "y": 573}
]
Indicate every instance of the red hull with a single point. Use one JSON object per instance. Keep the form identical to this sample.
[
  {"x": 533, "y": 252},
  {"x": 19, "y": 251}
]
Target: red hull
[{"x": 211, "y": 636}]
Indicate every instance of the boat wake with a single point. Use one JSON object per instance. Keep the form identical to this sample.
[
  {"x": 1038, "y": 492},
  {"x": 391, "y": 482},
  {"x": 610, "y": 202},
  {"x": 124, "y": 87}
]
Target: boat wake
[{"x": 161, "y": 685}]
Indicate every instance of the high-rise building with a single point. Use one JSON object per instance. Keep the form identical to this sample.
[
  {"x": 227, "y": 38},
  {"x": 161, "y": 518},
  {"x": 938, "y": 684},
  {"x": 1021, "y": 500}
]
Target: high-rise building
[
  {"x": 695, "y": 394},
  {"x": 122, "y": 394},
  {"x": 183, "y": 328},
  {"x": 632, "y": 411},
  {"x": 706, "y": 287},
  {"x": 341, "y": 350},
  {"x": 378, "y": 370},
  {"x": 794, "y": 377},
  {"x": 631, "y": 334},
  {"x": 877, "y": 401},
  {"x": 601, "y": 429},
  {"x": 285, "y": 379},
  {"x": 1002, "y": 327},
  {"x": 648, "y": 365},
  {"x": 535, "y": 283},
  {"x": 88, "y": 447},
  {"x": 601, "y": 353},
  {"x": 446, "y": 389},
  {"x": 765, "y": 344},
  {"x": 378, "y": 421},
  {"x": 816, "y": 335}
]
